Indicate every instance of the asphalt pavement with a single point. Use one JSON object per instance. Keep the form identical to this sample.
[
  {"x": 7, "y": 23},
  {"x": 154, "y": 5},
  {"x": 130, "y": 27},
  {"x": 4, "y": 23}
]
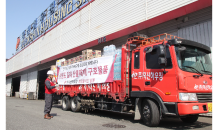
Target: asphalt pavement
[{"x": 22, "y": 114}]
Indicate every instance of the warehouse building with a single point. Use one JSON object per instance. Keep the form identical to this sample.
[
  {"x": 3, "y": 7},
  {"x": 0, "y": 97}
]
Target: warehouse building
[{"x": 67, "y": 27}]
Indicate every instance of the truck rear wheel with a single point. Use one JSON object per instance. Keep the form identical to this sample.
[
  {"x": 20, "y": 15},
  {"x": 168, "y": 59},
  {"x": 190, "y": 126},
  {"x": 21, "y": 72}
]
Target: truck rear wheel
[
  {"x": 189, "y": 118},
  {"x": 75, "y": 104},
  {"x": 150, "y": 113},
  {"x": 65, "y": 103}
]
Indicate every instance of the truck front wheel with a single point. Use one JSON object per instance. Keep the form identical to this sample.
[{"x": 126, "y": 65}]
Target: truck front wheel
[
  {"x": 189, "y": 118},
  {"x": 65, "y": 103},
  {"x": 150, "y": 113},
  {"x": 75, "y": 104}
]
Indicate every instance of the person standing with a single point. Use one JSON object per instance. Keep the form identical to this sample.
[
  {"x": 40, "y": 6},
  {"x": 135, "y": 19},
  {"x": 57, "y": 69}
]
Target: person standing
[{"x": 49, "y": 92}]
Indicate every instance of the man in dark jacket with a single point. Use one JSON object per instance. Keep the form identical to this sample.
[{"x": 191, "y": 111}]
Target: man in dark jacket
[{"x": 49, "y": 92}]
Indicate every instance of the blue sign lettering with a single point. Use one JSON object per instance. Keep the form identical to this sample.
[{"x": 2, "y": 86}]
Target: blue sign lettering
[{"x": 57, "y": 11}]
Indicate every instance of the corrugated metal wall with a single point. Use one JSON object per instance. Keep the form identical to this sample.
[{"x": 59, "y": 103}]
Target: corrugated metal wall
[
  {"x": 158, "y": 7},
  {"x": 201, "y": 33},
  {"x": 100, "y": 18}
]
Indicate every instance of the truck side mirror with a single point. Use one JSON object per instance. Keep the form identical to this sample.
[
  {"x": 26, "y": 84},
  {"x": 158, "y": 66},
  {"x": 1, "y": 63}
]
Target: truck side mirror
[
  {"x": 161, "y": 51},
  {"x": 161, "y": 58},
  {"x": 162, "y": 61}
]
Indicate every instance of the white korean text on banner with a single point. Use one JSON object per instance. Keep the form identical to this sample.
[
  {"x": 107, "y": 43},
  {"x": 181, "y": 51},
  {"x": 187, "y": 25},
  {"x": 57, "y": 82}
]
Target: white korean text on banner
[{"x": 97, "y": 70}]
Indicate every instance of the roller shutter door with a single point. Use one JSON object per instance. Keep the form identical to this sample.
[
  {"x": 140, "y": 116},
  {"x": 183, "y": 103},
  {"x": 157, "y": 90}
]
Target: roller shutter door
[
  {"x": 32, "y": 82},
  {"x": 8, "y": 87},
  {"x": 23, "y": 86}
]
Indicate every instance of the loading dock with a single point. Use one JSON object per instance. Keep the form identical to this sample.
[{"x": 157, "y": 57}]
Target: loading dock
[
  {"x": 42, "y": 75},
  {"x": 15, "y": 85}
]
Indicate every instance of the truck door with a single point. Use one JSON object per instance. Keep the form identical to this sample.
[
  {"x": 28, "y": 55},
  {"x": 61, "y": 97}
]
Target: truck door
[
  {"x": 165, "y": 85},
  {"x": 137, "y": 70}
]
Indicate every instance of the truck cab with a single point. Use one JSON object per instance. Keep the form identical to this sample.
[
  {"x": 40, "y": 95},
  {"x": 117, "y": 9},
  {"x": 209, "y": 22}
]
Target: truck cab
[{"x": 170, "y": 76}]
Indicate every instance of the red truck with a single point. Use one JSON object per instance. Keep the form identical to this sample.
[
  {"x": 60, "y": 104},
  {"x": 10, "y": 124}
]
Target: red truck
[{"x": 161, "y": 76}]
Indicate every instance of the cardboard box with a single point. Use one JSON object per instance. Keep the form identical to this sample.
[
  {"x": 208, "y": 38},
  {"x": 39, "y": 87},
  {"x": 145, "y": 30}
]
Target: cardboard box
[
  {"x": 72, "y": 60},
  {"x": 96, "y": 53},
  {"x": 69, "y": 62},
  {"x": 87, "y": 52},
  {"x": 75, "y": 59},
  {"x": 87, "y": 57},
  {"x": 79, "y": 58},
  {"x": 53, "y": 67},
  {"x": 65, "y": 63},
  {"x": 62, "y": 63},
  {"x": 97, "y": 56}
]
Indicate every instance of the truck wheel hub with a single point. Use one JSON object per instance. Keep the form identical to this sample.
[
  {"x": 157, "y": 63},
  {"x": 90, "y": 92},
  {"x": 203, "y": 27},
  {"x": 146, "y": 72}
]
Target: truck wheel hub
[{"x": 146, "y": 112}]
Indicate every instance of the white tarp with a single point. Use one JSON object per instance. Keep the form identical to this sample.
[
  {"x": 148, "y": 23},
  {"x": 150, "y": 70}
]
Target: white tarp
[{"x": 97, "y": 70}]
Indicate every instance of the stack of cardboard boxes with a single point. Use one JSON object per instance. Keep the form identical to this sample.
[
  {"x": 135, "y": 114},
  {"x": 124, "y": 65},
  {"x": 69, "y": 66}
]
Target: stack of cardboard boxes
[
  {"x": 96, "y": 54},
  {"x": 86, "y": 55}
]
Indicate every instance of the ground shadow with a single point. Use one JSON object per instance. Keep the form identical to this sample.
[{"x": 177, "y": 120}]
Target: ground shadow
[
  {"x": 56, "y": 106},
  {"x": 53, "y": 114},
  {"x": 167, "y": 123},
  {"x": 176, "y": 123}
]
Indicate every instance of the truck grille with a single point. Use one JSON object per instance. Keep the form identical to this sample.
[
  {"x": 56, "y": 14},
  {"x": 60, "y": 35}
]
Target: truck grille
[{"x": 204, "y": 97}]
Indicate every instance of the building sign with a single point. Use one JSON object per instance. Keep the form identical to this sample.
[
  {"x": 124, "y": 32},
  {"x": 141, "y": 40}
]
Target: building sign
[
  {"x": 56, "y": 12},
  {"x": 102, "y": 39}
]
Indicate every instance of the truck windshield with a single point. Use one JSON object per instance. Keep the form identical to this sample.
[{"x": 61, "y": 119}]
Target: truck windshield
[{"x": 194, "y": 60}]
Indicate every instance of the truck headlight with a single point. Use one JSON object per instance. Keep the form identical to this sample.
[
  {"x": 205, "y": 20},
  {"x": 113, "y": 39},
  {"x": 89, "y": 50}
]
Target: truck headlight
[{"x": 188, "y": 97}]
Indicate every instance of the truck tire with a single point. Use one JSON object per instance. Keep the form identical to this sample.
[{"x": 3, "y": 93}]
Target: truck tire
[
  {"x": 150, "y": 113},
  {"x": 189, "y": 118},
  {"x": 65, "y": 103},
  {"x": 75, "y": 104}
]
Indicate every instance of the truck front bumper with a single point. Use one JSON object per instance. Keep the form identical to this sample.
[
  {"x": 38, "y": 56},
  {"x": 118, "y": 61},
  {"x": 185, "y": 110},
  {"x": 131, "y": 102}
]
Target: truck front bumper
[{"x": 193, "y": 108}]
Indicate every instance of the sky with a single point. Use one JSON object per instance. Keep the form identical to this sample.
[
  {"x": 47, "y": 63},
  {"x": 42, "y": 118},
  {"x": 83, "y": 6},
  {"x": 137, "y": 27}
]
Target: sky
[{"x": 19, "y": 15}]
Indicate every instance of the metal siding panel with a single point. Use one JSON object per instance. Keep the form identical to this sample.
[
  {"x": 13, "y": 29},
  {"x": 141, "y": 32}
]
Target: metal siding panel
[
  {"x": 12, "y": 65},
  {"x": 158, "y": 7},
  {"x": 191, "y": 34},
  {"x": 173, "y": 25},
  {"x": 187, "y": 33},
  {"x": 198, "y": 33},
  {"x": 18, "y": 63},
  {"x": 123, "y": 13},
  {"x": 210, "y": 32},
  {"x": 180, "y": 32},
  {"x": 8, "y": 86},
  {"x": 104, "y": 5},
  {"x": 183, "y": 33},
  {"x": 194, "y": 29},
  {"x": 7, "y": 67},
  {"x": 34, "y": 52},
  {"x": 46, "y": 65},
  {"x": 206, "y": 34},
  {"x": 118, "y": 14},
  {"x": 203, "y": 40}
]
